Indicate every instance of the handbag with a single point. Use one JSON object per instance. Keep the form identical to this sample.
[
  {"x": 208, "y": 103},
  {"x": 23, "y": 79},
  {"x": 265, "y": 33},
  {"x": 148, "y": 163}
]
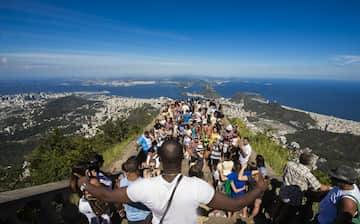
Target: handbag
[{"x": 99, "y": 207}]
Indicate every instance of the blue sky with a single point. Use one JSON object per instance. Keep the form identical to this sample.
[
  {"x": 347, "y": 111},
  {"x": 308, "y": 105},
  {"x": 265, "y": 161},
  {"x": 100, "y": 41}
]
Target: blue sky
[{"x": 292, "y": 39}]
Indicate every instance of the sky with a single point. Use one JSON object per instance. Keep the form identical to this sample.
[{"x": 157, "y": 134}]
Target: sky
[{"x": 112, "y": 39}]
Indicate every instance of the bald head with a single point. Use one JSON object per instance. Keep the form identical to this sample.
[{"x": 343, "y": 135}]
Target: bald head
[{"x": 171, "y": 152}]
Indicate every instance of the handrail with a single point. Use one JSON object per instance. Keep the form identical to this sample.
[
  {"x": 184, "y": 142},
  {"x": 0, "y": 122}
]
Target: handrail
[{"x": 23, "y": 193}]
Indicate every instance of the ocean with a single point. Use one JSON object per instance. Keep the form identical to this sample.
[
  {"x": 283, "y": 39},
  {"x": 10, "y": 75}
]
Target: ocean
[{"x": 336, "y": 98}]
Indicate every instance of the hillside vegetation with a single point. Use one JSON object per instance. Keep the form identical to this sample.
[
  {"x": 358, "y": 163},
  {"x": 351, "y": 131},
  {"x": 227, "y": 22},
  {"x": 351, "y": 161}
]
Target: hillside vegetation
[
  {"x": 54, "y": 156},
  {"x": 337, "y": 148},
  {"x": 274, "y": 154}
]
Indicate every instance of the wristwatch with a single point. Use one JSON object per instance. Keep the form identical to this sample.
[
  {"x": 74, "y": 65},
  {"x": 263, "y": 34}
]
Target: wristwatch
[{"x": 83, "y": 185}]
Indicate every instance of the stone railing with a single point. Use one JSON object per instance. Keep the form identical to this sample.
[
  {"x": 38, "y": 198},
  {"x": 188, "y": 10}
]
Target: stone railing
[{"x": 48, "y": 203}]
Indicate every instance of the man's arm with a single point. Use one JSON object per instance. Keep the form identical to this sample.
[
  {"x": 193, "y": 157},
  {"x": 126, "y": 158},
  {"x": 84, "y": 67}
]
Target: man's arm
[
  {"x": 346, "y": 212},
  {"x": 241, "y": 176},
  {"x": 236, "y": 190},
  {"x": 223, "y": 202},
  {"x": 242, "y": 151},
  {"x": 118, "y": 195},
  {"x": 324, "y": 187}
]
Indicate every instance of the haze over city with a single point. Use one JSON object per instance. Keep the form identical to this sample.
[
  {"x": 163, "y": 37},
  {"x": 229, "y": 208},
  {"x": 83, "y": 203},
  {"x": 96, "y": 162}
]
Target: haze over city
[{"x": 112, "y": 39}]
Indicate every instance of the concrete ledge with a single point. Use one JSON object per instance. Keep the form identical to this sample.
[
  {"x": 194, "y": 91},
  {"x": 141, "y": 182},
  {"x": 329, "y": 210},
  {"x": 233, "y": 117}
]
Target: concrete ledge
[{"x": 23, "y": 193}]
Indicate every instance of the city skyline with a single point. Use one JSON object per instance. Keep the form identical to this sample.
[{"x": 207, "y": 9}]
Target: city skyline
[{"x": 270, "y": 39}]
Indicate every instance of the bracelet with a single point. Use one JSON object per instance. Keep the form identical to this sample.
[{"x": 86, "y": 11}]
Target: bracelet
[{"x": 83, "y": 185}]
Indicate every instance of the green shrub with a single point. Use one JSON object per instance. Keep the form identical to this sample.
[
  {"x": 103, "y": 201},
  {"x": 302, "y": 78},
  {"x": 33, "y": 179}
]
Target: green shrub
[{"x": 53, "y": 158}]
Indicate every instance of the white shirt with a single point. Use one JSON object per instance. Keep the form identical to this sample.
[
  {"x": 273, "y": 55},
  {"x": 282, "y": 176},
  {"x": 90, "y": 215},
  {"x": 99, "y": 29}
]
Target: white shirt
[
  {"x": 247, "y": 149},
  {"x": 155, "y": 193},
  {"x": 185, "y": 108},
  {"x": 156, "y": 158}
]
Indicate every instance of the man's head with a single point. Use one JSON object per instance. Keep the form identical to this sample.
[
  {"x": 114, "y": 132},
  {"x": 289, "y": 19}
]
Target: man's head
[
  {"x": 98, "y": 159},
  {"x": 246, "y": 140},
  {"x": 95, "y": 163},
  {"x": 260, "y": 161},
  {"x": 171, "y": 154},
  {"x": 195, "y": 171},
  {"x": 306, "y": 158},
  {"x": 343, "y": 175},
  {"x": 147, "y": 134},
  {"x": 237, "y": 166},
  {"x": 131, "y": 165}
]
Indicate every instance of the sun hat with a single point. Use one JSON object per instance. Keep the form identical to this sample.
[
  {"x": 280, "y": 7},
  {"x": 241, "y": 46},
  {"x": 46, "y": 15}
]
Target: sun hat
[
  {"x": 229, "y": 127},
  {"x": 227, "y": 167},
  {"x": 200, "y": 147},
  {"x": 344, "y": 173}
]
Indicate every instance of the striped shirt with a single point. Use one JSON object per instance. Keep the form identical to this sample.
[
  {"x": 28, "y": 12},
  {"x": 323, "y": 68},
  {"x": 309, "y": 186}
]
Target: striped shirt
[{"x": 215, "y": 152}]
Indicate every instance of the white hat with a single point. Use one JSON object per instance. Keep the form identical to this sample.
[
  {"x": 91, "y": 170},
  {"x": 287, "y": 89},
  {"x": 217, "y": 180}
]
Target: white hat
[
  {"x": 162, "y": 122},
  {"x": 229, "y": 127},
  {"x": 200, "y": 147}
]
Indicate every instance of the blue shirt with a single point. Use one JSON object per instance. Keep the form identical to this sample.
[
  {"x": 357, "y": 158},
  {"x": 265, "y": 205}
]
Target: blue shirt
[
  {"x": 233, "y": 177},
  {"x": 186, "y": 118},
  {"x": 133, "y": 214},
  {"x": 329, "y": 205},
  {"x": 145, "y": 143},
  {"x": 104, "y": 180}
]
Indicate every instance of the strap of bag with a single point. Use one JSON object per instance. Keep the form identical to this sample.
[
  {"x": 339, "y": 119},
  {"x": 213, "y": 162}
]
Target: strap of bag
[{"x": 170, "y": 200}]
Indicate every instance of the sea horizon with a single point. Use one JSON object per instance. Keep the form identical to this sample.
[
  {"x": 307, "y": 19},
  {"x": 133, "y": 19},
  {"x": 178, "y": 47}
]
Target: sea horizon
[{"x": 329, "y": 97}]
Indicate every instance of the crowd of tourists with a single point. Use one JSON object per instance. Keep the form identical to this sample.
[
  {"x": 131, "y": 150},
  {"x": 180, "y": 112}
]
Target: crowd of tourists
[{"x": 192, "y": 157}]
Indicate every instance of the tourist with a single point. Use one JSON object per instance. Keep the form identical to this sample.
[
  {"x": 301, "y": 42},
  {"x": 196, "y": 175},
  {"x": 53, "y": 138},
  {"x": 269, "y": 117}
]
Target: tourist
[
  {"x": 95, "y": 211},
  {"x": 94, "y": 168},
  {"x": 152, "y": 164},
  {"x": 227, "y": 136},
  {"x": 297, "y": 179},
  {"x": 145, "y": 142},
  {"x": 342, "y": 203},
  {"x": 238, "y": 185},
  {"x": 185, "y": 108},
  {"x": 187, "y": 140},
  {"x": 260, "y": 163},
  {"x": 157, "y": 125},
  {"x": 196, "y": 171},
  {"x": 189, "y": 194},
  {"x": 250, "y": 174},
  {"x": 187, "y": 117},
  {"x": 215, "y": 153},
  {"x": 245, "y": 151},
  {"x": 134, "y": 215}
]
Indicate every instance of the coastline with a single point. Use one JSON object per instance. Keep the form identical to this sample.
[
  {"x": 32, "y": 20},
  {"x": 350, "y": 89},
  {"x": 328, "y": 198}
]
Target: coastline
[{"x": 331, "y": 123}]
